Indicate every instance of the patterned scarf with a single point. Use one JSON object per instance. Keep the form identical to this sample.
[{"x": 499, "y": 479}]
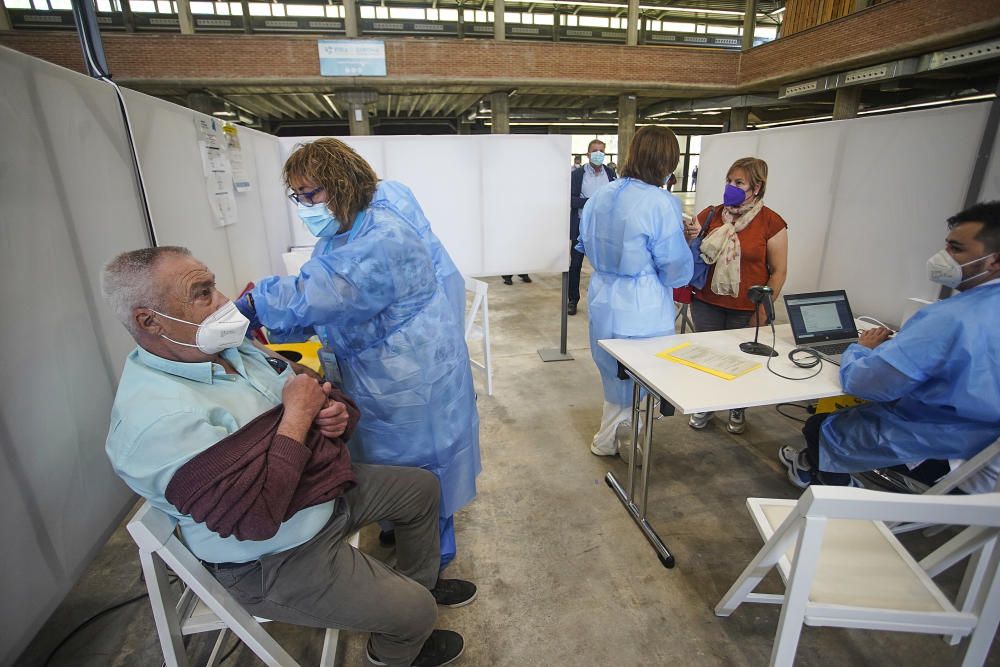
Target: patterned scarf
[{"x": 722, "y": 248}]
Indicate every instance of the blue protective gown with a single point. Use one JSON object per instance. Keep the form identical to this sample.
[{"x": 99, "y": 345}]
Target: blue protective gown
[
  {"x": 935, "y": 388},
  {"x": 633, "y": 235},
  {"x": 383, "y": 298}
]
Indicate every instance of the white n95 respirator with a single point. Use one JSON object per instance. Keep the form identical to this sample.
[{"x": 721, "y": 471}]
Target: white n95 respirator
[{"x": 223, "y": 329}]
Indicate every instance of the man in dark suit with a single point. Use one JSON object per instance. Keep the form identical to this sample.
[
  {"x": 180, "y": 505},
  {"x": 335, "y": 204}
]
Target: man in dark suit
[{"x": 584, "y": 182}]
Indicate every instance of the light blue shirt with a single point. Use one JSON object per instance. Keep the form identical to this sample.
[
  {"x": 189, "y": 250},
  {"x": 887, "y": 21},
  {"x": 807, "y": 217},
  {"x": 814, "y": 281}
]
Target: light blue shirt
[
  {"x": 934, "y": 389},
  {"x": 167, "y": 412},
  {"x": 593, "y": 181}
]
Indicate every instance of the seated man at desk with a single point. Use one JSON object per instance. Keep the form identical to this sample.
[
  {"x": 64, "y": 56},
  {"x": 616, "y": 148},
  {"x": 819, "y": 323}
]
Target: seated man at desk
[
  {"x": 933, "y": 388},
  {"x": 250, "y": 460}
]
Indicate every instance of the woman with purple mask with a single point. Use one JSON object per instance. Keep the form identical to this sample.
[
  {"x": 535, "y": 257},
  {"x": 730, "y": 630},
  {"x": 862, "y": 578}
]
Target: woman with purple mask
[{"x": 744, "y": 243}]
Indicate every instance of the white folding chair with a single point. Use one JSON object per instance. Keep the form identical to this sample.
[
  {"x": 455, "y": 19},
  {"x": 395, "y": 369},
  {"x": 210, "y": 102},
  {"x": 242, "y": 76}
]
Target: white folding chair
[
  {"x": 204, "y": 605},
  {"x": 945, "y": 485},
  {"x": 843, "y": 567},
  {"x": 473, "y": 331}
]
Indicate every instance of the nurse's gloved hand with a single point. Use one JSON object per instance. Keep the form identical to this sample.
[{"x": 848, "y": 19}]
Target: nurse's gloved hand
[{"x": 244, "y": 304}]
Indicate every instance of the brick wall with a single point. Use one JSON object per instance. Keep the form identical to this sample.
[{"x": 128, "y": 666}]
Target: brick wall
[
  {"x": 892, "y": 29},
  {"x": 884, "y": 32},
  {"x": 295, "y": 58}
]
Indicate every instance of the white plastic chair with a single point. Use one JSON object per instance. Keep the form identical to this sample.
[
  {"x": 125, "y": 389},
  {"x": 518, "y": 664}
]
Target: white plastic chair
[
  {"x": 844, "y": 568},
  {"x": 204, "y": 605},
  {"x": 951, "y": 481},
  {"x": 473, "y": 331}
]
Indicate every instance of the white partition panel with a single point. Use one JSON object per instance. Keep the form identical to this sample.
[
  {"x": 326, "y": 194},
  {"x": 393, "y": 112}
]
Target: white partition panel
[
  {"x": 499, "y": 203},
  {"x": 909, "y": 176},
  {"x": 802, "y": 174},
  {"x": 166, "y": 141},
  {"x": 865, "y": 199},
  {"x": 68, "y": 204}
]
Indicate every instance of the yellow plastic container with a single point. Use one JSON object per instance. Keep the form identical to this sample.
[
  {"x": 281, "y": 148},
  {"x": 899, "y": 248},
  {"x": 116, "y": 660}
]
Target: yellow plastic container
[{"x": 306, "y": 353}]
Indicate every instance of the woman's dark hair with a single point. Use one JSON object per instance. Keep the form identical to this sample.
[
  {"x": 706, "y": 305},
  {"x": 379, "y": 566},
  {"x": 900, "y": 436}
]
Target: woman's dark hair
[{"x": 652, "y": 155}]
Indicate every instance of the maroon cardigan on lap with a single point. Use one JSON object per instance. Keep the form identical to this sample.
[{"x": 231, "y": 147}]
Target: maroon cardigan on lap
[{"x": 252, "y": 480}]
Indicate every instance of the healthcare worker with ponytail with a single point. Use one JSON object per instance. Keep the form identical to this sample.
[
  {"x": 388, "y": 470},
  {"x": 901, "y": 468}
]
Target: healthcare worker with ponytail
[
  {"x": 632, "y": 232},
  {"x": 388, "y": 305}
]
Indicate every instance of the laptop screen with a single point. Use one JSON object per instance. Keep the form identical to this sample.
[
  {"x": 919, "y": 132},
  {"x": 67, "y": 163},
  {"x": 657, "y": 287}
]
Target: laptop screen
[{"x": 820, "y": 316}]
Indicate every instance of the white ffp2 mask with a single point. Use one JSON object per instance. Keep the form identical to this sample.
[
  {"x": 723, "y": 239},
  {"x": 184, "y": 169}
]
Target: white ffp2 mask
[
  {"x": 223, "y": 329},
  {"x": 944, "y": 269}
]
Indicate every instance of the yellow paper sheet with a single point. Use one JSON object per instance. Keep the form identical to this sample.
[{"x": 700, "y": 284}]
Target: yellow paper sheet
[{"x": 719, "y": 364}]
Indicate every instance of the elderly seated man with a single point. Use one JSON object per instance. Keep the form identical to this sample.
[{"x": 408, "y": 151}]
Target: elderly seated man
[
  {"x": 250, "y": 458},
  {"x": 934, "y": 387}
]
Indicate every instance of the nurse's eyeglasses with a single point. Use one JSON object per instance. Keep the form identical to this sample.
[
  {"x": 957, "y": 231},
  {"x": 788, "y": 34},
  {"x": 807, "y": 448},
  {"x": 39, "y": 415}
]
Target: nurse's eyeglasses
[{"x": 305, "y": 198}]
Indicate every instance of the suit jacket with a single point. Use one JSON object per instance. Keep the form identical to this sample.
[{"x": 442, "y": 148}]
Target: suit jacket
[{"x": 577, "y": 200}]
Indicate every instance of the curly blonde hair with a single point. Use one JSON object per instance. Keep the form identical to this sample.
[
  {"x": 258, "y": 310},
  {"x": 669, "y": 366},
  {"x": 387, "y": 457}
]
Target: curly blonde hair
[{"x": 348, "y": 180}]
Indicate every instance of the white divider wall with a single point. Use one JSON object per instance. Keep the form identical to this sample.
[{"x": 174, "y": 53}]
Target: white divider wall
[
  {"x": 499, "y": 203},
  {"x": 68, "y": 204},
  {"x": 168, "y": 151},
  {"x": 865, "y": 199}
]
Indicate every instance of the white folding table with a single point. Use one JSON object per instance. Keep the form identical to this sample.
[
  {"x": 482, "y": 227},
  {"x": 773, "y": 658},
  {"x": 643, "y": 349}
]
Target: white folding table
[{"x": 675, "y": 386}]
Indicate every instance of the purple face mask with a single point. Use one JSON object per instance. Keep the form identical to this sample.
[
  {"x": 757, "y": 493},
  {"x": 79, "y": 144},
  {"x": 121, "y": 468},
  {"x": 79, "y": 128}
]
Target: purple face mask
[{"x": 733, "y": 196}]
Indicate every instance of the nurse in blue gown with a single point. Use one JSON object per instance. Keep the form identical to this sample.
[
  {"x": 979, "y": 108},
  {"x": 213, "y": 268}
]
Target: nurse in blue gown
[
  {"x": 632, "y": 232},
  {"x": 388, "y": 304}
]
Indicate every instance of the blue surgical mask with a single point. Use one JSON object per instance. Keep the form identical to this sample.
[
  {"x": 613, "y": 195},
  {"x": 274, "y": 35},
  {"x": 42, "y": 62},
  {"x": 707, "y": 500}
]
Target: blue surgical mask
[
  {"x": 733, "y": 196},
  {"x": 318, "y": 220},
  {"x": 597, "y": 158}
]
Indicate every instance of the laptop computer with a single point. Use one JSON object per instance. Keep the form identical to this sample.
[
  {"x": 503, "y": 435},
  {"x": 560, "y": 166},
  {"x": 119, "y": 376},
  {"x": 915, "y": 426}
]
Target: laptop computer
[{"x": 822, "y": 321}]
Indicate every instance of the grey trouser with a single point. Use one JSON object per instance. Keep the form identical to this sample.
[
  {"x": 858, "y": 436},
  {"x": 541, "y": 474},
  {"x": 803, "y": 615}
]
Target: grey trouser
[
  {"x": 709, "y": 317},
  {"x": 327, "y": 583}
]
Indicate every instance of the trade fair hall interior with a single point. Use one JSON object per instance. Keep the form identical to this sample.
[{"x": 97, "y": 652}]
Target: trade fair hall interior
[{"x": 540, "y": 332}]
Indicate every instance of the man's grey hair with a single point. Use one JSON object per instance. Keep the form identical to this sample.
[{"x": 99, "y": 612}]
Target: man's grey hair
[{"x": 127, "y": 282}]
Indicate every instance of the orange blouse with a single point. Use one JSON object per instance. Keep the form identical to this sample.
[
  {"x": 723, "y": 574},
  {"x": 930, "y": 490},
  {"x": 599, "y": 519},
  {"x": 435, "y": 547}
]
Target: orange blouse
[{"x": 753, "y": 257}]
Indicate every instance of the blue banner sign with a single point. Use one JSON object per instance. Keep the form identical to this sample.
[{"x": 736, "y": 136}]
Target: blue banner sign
[{"x": 351, "y": 57}]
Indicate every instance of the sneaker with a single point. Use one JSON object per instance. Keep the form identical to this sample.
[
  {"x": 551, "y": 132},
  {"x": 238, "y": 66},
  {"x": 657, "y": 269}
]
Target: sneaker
[
  {"x": 387, "y": 538},
  {"x": 699, "y": 420},
  {"x": 800, "y": 473},
  {"x": 623, "y": 440},
  {"x": 508, "y": 280},
  {"x": 571, "y": 308},
  {"x": 737, "y": 421},
  {"x": 454, "y": 592},
  {"x": 443, "y": 647},
  {"x": 525, "y": 278}
]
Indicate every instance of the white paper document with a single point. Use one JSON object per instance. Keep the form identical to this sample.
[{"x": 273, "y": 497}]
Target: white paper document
[{"x": 721, "y": 364}]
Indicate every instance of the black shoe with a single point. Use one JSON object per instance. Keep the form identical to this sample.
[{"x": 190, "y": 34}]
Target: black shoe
[
  {"x": 571, "y": 308},
  {"x": 525, "y": 278},
  {"x": 507, "y": 280},
  {"x": 441, "y": 648},
  {"x": 454, "y": 592},
  {"x": 387, "y": 538}
]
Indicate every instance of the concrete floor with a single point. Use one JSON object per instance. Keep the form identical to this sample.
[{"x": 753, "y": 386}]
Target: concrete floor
[{"x": 565, "y": 578}]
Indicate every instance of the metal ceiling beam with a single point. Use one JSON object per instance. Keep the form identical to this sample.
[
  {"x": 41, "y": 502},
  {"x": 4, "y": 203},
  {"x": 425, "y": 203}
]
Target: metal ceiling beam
[
  {"x": 277, "y": 100},
  {"x": 271, "y": 111},
  {"x": 320, "y": 102},
  {"x": 427, "y": 105},
  {"x": 297, "y": 102},
  {"x": 731, "y": 101},
  {"x": 445, "y": 99}
]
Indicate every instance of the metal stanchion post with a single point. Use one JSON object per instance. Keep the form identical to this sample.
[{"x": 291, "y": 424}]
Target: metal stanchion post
[{"x": 561, "y": 354}]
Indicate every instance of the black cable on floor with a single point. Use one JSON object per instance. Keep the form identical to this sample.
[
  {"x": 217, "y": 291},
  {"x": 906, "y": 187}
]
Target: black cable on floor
[
  {"x": 777, "y": 408},
  {"x": 90, "y": 620},
  {"x": 230, "y": 652}
]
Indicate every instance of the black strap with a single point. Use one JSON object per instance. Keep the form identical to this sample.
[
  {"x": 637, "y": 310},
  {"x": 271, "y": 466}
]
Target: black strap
[{"x": 708, "y": 221}]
